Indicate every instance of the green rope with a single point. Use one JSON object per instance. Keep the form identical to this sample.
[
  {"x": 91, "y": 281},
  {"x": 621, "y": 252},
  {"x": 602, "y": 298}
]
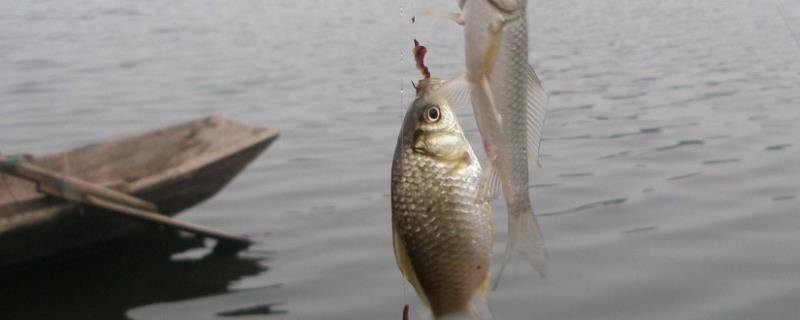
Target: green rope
[{"x": 11, "y": 162}]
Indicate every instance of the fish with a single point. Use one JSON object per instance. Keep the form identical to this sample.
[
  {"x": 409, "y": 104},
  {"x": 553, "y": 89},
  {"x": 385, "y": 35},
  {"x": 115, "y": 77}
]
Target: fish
[
  {"x": 441, "y": 224},
  {"x": 509, "y": 104}
]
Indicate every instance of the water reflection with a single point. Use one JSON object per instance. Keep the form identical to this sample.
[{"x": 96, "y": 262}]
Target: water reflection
[
  {"x": 105, "y": 283},
  {"x": 262, "y": 309}
]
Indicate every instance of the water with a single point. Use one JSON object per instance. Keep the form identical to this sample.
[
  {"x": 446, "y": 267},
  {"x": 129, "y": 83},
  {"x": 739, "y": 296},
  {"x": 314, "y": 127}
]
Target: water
[{"x": 670, "y": 180}]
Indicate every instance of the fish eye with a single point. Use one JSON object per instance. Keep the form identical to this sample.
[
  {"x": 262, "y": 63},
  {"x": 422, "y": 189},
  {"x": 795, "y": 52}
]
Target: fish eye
[{"x": 432, "y": 114}]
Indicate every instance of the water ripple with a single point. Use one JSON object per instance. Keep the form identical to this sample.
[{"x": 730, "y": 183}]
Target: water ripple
[
  {"x": 784, "y": 198},
  {"x": 639, "y": 230},
  {"x": 588, "y": 206},
  {"x": 615, "y": 155},
  {"x": 681, "y": 143},
  {"x": 778, "y": 147},
  {"x": 721, "y": 161},
  {"x": 683, "y": 176},
  {"x": 574, "y": 175}
]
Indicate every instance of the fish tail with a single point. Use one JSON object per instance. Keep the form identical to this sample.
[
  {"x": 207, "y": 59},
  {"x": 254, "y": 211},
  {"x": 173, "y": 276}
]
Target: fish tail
[{"x": 524, "y": 238}]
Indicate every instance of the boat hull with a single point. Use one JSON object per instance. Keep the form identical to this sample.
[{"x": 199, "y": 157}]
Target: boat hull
[{"x": 34, "y": 227}]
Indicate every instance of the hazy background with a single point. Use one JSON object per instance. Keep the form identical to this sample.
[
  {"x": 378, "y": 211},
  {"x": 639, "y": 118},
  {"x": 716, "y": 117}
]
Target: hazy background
[{"x": 669, "y": 188}]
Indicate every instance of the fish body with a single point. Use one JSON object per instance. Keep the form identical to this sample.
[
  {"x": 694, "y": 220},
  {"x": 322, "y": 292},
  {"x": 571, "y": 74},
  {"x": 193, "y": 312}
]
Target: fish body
[
  {"x": 509, "y": 105},
  {"x": 441, "y": 225}
]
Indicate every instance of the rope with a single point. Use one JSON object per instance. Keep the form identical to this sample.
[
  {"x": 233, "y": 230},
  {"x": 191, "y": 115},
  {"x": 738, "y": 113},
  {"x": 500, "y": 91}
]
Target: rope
[{"x": 8, "y": 187}]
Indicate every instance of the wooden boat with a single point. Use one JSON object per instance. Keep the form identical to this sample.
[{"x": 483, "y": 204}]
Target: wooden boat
[{"x": 175, "y": 168}]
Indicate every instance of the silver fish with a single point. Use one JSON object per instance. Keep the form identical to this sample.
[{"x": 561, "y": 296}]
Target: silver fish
[
  {"x": 509, "y": 104},
  {"x": 441, "y": 225}
]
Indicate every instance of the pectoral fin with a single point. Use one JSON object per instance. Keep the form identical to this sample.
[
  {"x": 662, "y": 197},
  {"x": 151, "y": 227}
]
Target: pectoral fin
[
  {"x": 489, "y": 184},
  {"x": 455, "y": 91},
  {"x": 452, "y": 16}
]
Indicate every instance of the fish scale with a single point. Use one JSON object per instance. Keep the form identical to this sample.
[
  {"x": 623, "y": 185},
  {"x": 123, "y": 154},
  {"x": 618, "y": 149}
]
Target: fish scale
[
  {"x": 441, "y": 250},
  {"x": 509, "y": 87}
]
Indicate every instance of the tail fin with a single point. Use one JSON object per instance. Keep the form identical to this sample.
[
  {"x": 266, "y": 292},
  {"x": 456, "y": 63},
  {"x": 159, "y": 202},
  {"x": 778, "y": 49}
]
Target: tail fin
[{"x": 524, "y": 238}]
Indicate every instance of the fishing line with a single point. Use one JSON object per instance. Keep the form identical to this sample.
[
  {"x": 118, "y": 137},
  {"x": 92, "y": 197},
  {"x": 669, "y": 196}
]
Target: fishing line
[
  {"x": 782, "y": 12},
  {"x": 403, "y": 82},
  {"x": 404, "y": 20},
  {"x": 414, "y": 18},
  {"x": 402, "y": 60}
]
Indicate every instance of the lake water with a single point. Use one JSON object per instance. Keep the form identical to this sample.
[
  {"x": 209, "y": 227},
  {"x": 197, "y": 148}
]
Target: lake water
[{"x": 669, "y": 187}]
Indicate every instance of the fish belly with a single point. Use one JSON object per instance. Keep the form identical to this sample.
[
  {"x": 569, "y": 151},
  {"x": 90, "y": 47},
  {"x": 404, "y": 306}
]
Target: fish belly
[{"x": 443, "y": 236}]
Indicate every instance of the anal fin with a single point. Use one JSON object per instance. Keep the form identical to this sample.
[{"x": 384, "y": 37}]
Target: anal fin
[{"x": 536, "y": 99}]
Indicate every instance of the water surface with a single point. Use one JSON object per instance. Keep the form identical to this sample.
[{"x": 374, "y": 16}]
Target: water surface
[{"x": 669, "y": 188}]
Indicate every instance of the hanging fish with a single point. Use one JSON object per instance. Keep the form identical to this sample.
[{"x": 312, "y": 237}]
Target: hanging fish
[
  {"x": 441, "y": 225},
  {"x": 509, "y": 104}
]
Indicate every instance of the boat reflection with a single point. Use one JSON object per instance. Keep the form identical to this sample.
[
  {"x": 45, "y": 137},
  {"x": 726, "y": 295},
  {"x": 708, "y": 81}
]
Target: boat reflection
[{"x": 107, "y": 282}]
